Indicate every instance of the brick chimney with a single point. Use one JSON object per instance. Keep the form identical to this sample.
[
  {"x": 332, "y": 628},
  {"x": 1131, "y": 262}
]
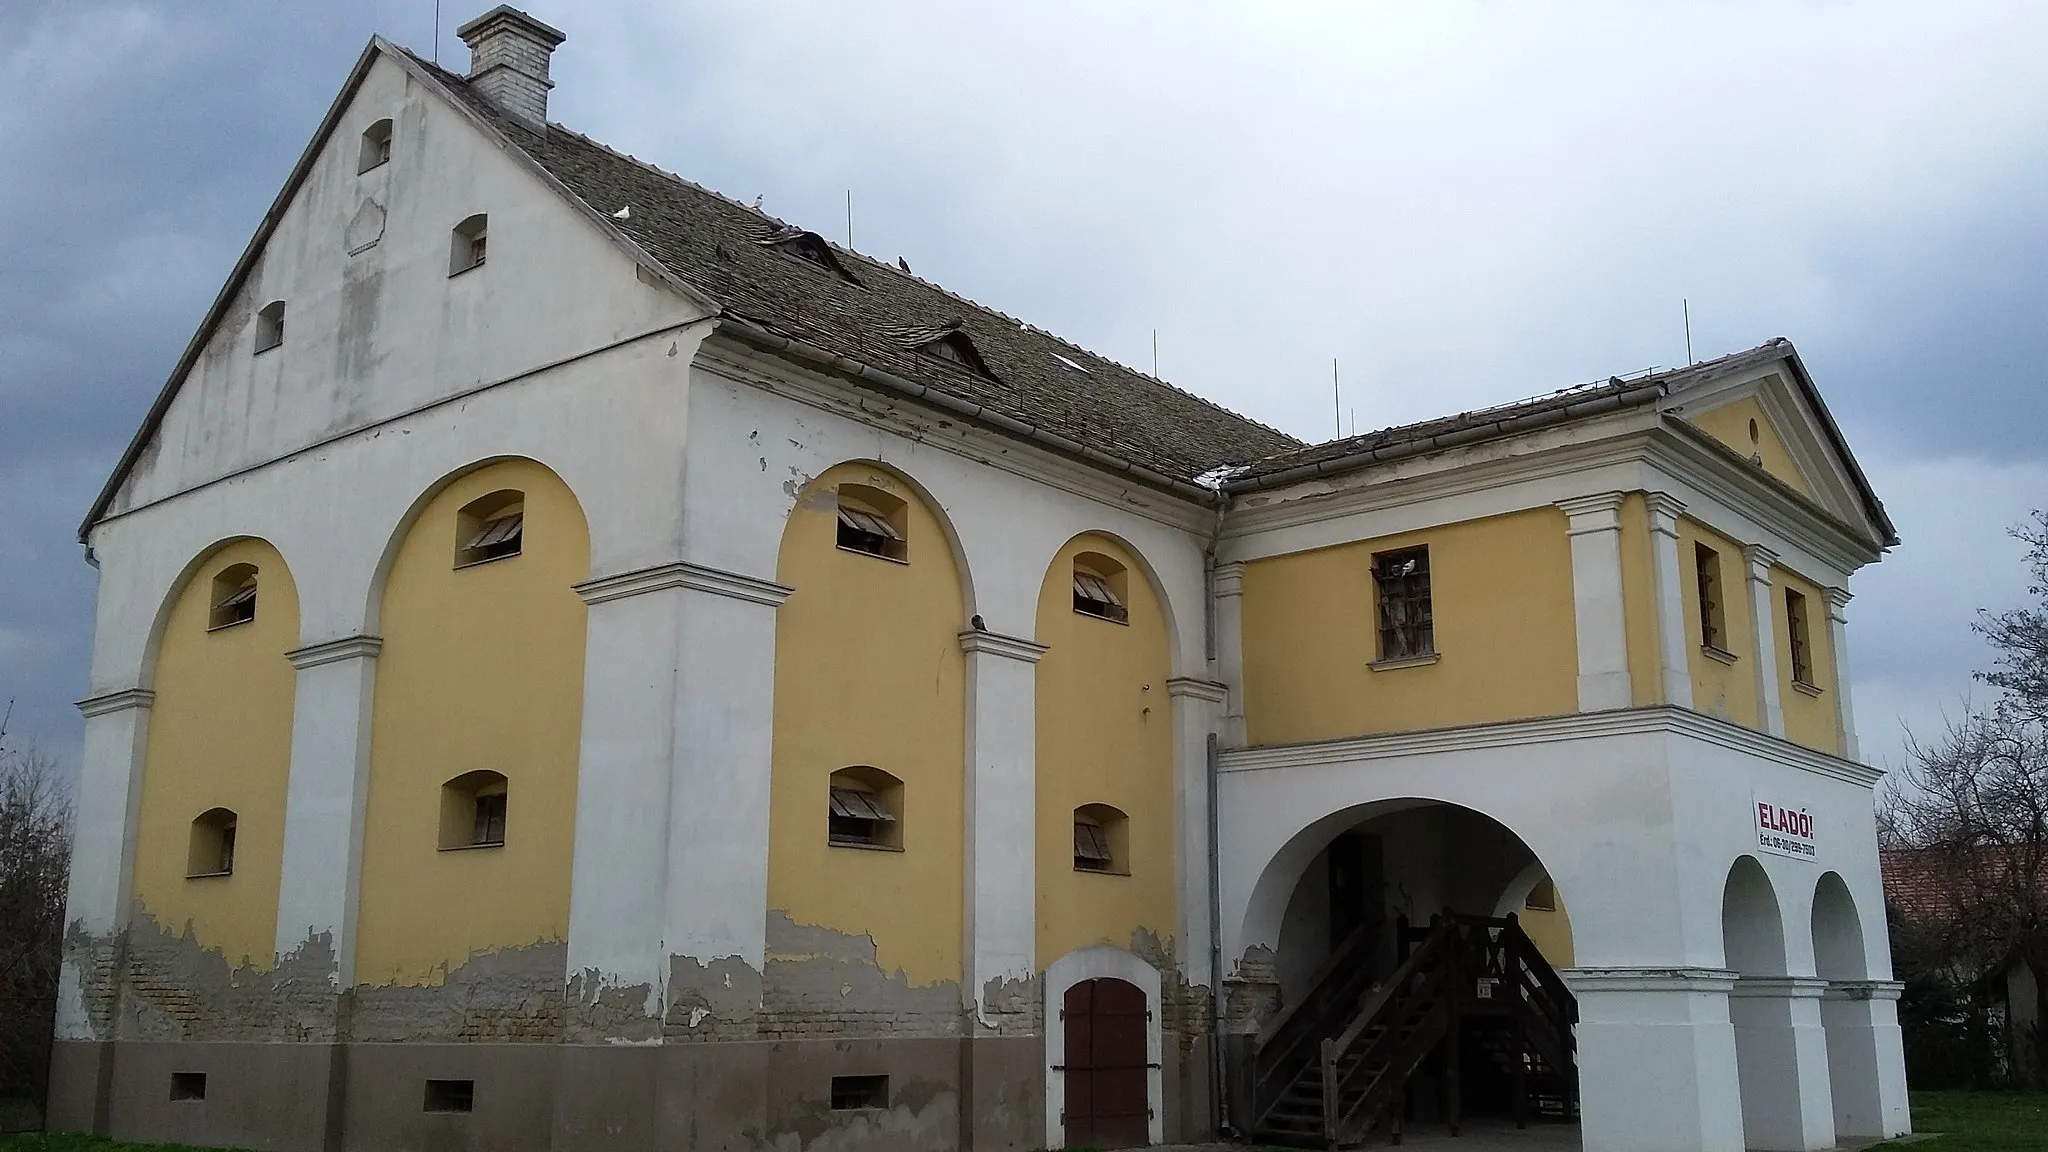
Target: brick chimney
[{"x": 508, "y": 62}]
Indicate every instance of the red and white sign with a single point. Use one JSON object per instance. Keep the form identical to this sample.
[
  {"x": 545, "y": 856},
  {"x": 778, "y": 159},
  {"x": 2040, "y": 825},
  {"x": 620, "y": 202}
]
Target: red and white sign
[{"x": 1783, "y": 831}]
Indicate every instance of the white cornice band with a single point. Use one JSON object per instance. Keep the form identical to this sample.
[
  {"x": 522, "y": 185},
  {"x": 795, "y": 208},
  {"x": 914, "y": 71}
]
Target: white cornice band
[
  {"x": 335, "y": 651},
  {"x": 683, "y": 574},
  {"x": 997, "y": 644},
  {"x": 117, "y": 701},
  {"x": 1198, "y": 689},
  {"x": 1686, "y": 980}
]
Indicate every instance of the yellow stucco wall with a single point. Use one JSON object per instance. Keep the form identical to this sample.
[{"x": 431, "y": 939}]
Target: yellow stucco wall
[
  {"x": 1729, "y": 424},
  {"x": 482, "y": 668},
  {"x": 1639, "y": 602},
  {"x": 869, "y": 671},
  {"x": 1809, "y": 719},
  {"x": 1550, "y": 931},
  {"x": 1501, "y": 590},
  {"x": 220, "y": 736},
  {"x": 1104, "y": 736},
  {"x": 1727, "y": 690}
]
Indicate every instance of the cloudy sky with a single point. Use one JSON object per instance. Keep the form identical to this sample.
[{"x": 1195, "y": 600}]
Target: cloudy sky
[{"x": 1462, "y": 204}]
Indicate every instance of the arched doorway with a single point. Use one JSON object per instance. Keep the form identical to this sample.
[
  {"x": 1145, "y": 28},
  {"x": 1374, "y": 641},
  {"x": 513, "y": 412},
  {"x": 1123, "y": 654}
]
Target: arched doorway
[
  {"x": 1106, "y": 1065},
  {"x": 1406, "y": 918}
]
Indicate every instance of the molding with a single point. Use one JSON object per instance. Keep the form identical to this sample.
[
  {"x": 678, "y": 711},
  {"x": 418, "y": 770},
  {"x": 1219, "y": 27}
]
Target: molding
[
  {"x": 997, "y": 644},
  {"x": 1404, "y": 662},
  {"x": 1865, "y": 989},
  {"x": 335, "y": 651},
  {"x": 1656, "y": 720},
  {"x": 1197, "y": 688},
  {"x": 1720, "y": 654},
  {"x": 1597, "y": 513},
  {"x": 1665, "y": 509},
  {"x": 683, "y": 574},
  {"x": 1805, "y": 689},
  {"x": 1228, "y": 579},
  {"x": 1760, "y": 561},
  {"x": 1838, "y": 599},
  {"x": 1685, "y": 980},
  {"x": 1779, "y": 988},
  {"x": 117, "y": 701}
]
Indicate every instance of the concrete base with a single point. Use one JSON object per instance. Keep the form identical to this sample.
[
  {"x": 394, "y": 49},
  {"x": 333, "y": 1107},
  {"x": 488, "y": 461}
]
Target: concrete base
[{"x": 943, "y": 1094}]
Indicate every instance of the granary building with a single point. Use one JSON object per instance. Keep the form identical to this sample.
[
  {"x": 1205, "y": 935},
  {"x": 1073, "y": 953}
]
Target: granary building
[{"x": 582, "y": 663}]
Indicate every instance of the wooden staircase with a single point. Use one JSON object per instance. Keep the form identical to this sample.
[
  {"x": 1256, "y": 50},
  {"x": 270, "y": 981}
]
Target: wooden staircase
[{"x": 1472, "y": 997}]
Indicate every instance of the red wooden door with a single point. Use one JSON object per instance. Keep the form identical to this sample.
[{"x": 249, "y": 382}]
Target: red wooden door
[{"x": 1106, "y": 1067}]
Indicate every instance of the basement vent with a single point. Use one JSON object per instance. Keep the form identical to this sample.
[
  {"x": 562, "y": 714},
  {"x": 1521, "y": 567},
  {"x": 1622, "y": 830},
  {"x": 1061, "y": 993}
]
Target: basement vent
[
  {"x": 855, "y": 1092},
  {"x": 450, "y": 1096},
  {"x": 188, "y": 1085}
]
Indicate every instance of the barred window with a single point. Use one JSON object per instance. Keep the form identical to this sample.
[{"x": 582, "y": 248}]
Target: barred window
[
  {"x": 1407, "y": 625},
  {"x": 1796, "y": 631},
  {"x": 1707, "y": 570}
]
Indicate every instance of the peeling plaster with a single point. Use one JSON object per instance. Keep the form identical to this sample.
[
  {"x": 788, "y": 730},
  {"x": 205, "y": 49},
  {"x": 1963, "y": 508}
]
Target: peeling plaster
[{"x": 807, "y": 968}]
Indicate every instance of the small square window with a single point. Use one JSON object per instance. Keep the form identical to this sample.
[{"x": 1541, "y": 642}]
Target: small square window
[
  {"x": 468, "y": 245},
  {"x": 1543, "y": 897},
  {"x": 270, "y": 326},
  {"x": 854, "y": 1092},
  {"x": 1091, "y": 847},
  {"x": 859, "y": 817},
  {"x": 450, "y": 1096},
  {"x": 490, "y": 819},
  {"x": 1093, "y": 596},
  {"x": 188, "y": 1085},
  {"x": 376, "y": 149}
]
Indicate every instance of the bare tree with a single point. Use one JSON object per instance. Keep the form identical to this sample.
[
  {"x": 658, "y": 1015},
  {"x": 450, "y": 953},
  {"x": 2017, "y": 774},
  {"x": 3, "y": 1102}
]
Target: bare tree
[
  {"x": 35, "y": 859},
  {"x": 1972, "y": 809}
]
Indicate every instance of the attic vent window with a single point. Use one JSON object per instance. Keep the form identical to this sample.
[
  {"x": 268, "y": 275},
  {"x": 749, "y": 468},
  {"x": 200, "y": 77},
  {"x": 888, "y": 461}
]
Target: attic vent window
[
  {"x": 270, "y": 326},
  {"x": 1099, "y": 587},
  {"x": 490, "y": 528},
  {"x": 873, "y": 522},
  {"x": 467, "y": 246},
  {"x": 376, "y": 150},
  {"x": 863, "y": 804},
  {"x": 808, "y": 247},
  {"x": 211, "y": 848},
  {"x": 1101, "y": 840},
  {"x": 234, "y": 597}
]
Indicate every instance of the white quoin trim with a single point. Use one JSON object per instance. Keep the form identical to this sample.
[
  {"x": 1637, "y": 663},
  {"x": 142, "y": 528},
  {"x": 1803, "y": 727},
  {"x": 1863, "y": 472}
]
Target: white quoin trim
[
  {"x": 1666, "y": 564},
  {"x": 1595, "y": 530},
  {"x": 1762, "y": 603},
  {"x": 1838, "y": 646},
  {"x": 1096, "y": 962}
]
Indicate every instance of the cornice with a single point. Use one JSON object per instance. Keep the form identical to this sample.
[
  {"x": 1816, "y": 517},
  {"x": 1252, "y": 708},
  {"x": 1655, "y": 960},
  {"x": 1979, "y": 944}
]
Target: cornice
[
  {"x": 741, "y": 364},
  {"x": 335, "y": 651},
  {"x": 1600, "y": 512},
  {"x": 1865, "y": 989},
  {"x": 1838, "y": 599},
  {"x": 1690, "y": 980},
  {"x": 1780, "y": 988},
  {"x": 1750, "y": 491},
  {"x": 1658, "y": 720},
  {"x": 1665, "y": 509},
  {"x": 1198, "y": 689},
  {"x": 1228, "y": 578},
  {"x": 683, "y": 574},
  {"x": 1760, "y": 561},
  {"x": 997, "y": 644},
  {"x": 117, "y": 701}
]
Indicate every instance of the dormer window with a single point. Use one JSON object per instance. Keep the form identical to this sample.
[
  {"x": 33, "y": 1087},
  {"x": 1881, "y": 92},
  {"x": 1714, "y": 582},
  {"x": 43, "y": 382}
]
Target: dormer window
[
  {"x": 808, "y": 247},
  {"x": 492, "y": 527},
  {"x": 467, "y": 246},
  {"x": 1099, "y": 585},
  {"x": 234, "y": 597},
  {"x": 376, "y": 149},
  {"x": 872, "y": 521},
  {"x": 948, "y": 342},
  {"x": 270, "y": 326}
]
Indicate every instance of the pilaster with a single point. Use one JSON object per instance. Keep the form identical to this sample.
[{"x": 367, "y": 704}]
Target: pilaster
[
  {"x": 1782, "y": 1054},
  {"x": 999, "y": 921},
  {"x": 332, "y": 703},
  {"x": 1764, "y": 638},
  {"x": 1594, "y": 525},
  {"x": 1866, "y": 1058},
  {"x": 1838, "y": 647},
  {"x": 1227, "y": 586},
  {"x": 1674, "y": 664},
  {"x": 1656, "y": 1060},
  {"x": 1197, "y": 712},
  {"x": 102, "y": 857}
]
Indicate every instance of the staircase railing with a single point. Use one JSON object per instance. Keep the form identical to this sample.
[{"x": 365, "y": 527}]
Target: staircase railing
[
  {"x": 1366, "y": 1067},
  {"x": 1292, "y": 1039}
]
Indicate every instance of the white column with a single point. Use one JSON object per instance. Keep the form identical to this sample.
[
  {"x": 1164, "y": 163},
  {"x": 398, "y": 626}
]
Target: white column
[
  {"x": 1227, "y": 585},
  {"x": 999, "y": 921},
  {"x": 1762, "y": 605},
  {"x": 1787, "y": 1105},
  {"x": 1838, "y": 645},
  {"x": 671, "y": 856},
  {"x": 1866, "y": 1058},
  {"x": 1197, "y": 709},
  {"x": 1594, "y": 525},
  {"x": 102, "y": 858},
  {"x": 324, "y": 800},
  {"x": 1674, "y": 663},
  {"x": 1656, "y": 1060}
]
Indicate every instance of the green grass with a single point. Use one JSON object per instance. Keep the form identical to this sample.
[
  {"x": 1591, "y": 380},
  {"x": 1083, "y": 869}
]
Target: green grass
[{"x": 1978, "y": 1122}]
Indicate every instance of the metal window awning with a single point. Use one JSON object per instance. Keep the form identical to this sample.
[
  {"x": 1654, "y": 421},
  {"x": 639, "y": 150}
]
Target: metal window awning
[
  {"x": 854, "y": 804},
  {"x": 1090, "y": 587},
  {"x": 864, "y": 521},
  {"x": 498, "y": 531},
  {"x": 1090, "y": 843}
]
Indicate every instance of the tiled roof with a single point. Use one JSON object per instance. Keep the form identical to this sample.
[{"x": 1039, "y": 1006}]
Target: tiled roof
[
  {"x": 885, "y": 317},
  {"x": 1935, "y": 887}
]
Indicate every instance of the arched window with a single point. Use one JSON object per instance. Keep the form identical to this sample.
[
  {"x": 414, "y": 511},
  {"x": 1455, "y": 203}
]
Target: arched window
[
  {"x": 376, "y": 149},
  {"x": 466, "y": 247},
  {"x": 873, "y": 522},
  {"x": 212, "y": 848},
  {"x": 866, "y": 809},
  {"x": 234, "y": 597},
  {"x": 270, "y": 326},
  {"x": 473, "y": 811},
  {"x": 1101, "y": 840},
  {"x": 490, "y": 528},
  {"x": 1100, "y": 585}
]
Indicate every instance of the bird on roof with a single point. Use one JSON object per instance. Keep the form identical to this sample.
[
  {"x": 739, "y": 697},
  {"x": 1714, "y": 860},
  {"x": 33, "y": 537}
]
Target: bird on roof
[{"x": 903, "y": 264}]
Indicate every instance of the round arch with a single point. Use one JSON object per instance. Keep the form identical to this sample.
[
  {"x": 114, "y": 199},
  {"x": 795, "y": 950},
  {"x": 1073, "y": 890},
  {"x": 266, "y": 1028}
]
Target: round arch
[
  {"x": 932, "y": 504},
  {"x": 161, "y": 619},
  {"x": 380, "y": 576},
  {"x": 1142, "y": 564},
  {"x": 1752, "y": 924},
  {"x": 1098, "y": 962},
  {"x": 1838, "y": 951}
]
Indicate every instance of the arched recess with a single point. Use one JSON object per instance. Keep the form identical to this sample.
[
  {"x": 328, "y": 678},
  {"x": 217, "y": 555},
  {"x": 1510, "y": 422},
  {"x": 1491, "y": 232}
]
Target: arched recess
[
  {"x": 1752, "y": 926},
  {"x": 219, "y": 737},
  {"x": 481, "y": 670},
  {"x": 869, "y": 671},
  {"x": 1098, "y": 962},
  {"x": 1767, "y": 1066},
  {"x": 1104, "y": 736},
  {"x": 1838, "y": 947},
  {"x": 1534, "y": 898}
]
